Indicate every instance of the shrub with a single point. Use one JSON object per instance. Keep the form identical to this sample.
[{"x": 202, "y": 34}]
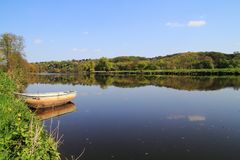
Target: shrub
[
  {"x": 22, "y": 134},
  {"x": 7, "y": 87}
]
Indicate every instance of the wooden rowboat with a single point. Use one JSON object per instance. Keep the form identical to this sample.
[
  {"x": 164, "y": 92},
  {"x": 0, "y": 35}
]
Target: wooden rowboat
[
  {"x": 44, "y": 100},
  {"x": 50, "y": 112}
]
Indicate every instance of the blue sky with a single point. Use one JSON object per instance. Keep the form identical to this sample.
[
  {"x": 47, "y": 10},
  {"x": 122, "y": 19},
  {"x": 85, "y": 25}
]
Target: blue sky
[{"x": 79, "y": 29}]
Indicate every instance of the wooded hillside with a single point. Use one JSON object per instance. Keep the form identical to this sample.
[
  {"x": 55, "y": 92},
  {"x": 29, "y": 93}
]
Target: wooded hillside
[{"x": 187, "y": 60}]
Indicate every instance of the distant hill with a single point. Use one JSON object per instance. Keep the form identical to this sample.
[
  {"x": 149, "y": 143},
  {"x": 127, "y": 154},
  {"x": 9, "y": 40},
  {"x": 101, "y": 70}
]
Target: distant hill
[
  {"x": 127, "y": 59},
  {"x": 198, "y": 60},
  {"x": 186, "y": 60}
]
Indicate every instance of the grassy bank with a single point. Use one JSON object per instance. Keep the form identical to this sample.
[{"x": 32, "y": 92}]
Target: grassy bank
[
  {"x": 192, "y": 72},
  {"x": 22, "y": 134}
]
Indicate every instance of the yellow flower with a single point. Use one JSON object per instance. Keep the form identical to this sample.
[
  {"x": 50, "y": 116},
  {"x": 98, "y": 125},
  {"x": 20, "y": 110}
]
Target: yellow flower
[
  {"x": 19, "y": 114},
  {"x": 19, "y": 119}
]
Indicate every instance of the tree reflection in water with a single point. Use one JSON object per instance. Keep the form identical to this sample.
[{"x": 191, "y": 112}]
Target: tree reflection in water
[{"x": 189, "y": 83}]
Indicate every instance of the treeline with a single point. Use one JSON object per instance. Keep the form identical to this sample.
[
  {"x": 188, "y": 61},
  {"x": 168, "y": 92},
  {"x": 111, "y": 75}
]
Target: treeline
[
  {"x": 22, "y": 133},
  {"x": 187, "y": 60}
]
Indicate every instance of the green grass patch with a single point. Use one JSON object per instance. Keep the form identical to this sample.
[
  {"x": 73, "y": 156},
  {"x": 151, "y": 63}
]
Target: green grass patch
[{"x": 22, "y": 134}]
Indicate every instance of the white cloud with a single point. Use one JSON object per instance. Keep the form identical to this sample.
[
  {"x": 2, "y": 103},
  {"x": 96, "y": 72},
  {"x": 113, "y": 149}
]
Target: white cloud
[
  {"x": 196, "y": 23},
  {"x": 191, "y": 23},
  {"x": 174, "y": 24},
  {"x": 80, "y": 50},
  {"x": 85, "y": 33},
  {"x": 37, "y": 41}
]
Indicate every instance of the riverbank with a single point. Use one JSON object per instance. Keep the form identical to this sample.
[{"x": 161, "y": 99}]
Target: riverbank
[
  {"x": 191, "y": 72},
  {"x": 22, "y": 134}
]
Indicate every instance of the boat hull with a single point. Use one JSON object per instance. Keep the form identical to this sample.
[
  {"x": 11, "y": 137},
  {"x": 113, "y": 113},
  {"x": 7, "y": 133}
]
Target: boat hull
[{"x": 48, "y": 100}]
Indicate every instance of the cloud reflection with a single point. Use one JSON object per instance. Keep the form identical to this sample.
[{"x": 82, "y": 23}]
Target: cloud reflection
[
  {"x": 176, "y": 117},
  {"x": 196, "y": 118},
  {"x": 191, "y": 118}
]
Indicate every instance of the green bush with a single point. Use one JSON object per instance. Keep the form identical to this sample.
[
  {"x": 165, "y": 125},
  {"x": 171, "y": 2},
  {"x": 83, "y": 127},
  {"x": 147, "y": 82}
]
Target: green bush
[
  {"x": 7, "y": 87},
  {"x": 22, "y": 134}
]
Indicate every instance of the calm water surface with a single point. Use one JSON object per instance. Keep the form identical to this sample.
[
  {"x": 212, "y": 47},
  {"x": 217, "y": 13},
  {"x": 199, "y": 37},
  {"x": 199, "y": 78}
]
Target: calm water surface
[{"x": 148, "y": 117}]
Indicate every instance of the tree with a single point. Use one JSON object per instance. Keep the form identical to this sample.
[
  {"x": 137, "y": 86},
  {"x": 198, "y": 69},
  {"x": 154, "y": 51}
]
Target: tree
[
  {"x": 91, "y": 66},
  {"x": 141, "y": 65},
  {"x": 11, "y": 44},
  {"x": 103, "y": 64},
  {"x": 152, "y": 66}
]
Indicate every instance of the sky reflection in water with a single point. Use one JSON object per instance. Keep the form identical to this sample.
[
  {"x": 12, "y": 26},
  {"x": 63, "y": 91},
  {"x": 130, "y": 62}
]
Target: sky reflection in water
[{"x": 150, "y": 122}]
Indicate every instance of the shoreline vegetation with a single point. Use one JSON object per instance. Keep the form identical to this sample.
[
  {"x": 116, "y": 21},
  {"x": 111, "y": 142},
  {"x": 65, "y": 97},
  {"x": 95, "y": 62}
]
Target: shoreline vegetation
[
  {"x": 22, "y": 134},
  {"x": 188, "y": 63},
  {"x": 190, "y": 72}
]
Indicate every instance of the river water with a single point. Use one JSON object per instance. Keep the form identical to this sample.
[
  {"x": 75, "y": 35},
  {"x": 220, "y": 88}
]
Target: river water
[{"x": 146, "y": 117}]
